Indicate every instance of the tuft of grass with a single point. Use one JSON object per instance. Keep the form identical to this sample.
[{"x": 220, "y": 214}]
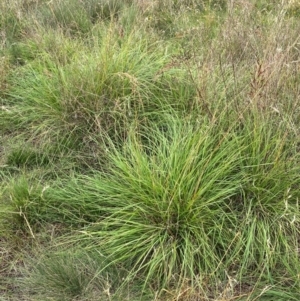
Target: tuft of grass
[
  {"x": 77, "y": 18},
  {"x": 68, "y": 15},
  {"x": 186, "y": 201},
  {"x": 22, "y": 205},
  {"x": 100, "y": 91},
  {"x": 26, "y": 157},
  {"x": 11, "y": 23},
  {"x": 268, "y": 208},
  {"x": 63, "y": 275},
  {"x": 74, "y": 274},
  {"x": 165, "y": 204}
]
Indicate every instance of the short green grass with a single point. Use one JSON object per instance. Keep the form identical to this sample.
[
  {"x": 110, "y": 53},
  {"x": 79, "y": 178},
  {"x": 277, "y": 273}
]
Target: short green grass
[{"x": 149, "y": 150}]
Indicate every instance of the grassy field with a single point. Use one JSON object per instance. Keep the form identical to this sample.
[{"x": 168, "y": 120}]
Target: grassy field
[{"x": 149, "y": 150}]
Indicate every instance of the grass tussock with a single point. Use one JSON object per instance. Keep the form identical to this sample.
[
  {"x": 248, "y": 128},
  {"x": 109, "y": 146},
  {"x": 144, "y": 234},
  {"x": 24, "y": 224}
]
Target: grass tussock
[
  {"x": 149, "y": 150},
  {"x": 166, "y": 198}
]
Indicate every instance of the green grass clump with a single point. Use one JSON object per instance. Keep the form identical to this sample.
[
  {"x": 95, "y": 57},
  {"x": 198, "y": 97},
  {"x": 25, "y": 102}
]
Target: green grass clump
[
  {"x": 102, "y": 90},
  {"x": 26, "y": 157},
  {"x": 10, "y": 23},
  {"x": 188, "y": 201},
  {"x": 77, "y": 18},
  {"x": 22, "y": 205},
  {"x": 166, "y": 202},
  {"x": 66, "y": 275},
  {"x": 268, "y": 209}
]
